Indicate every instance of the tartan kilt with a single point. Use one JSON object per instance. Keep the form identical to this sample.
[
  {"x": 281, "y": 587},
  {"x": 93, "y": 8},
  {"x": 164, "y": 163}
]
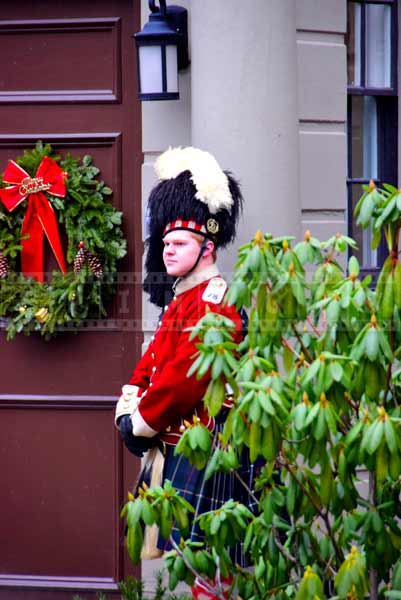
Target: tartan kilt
[{"x": 206, "y": 495}]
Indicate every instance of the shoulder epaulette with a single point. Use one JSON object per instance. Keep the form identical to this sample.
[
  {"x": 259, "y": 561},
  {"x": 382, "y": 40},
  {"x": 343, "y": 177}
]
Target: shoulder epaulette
[{"x": 215, "y": 290}]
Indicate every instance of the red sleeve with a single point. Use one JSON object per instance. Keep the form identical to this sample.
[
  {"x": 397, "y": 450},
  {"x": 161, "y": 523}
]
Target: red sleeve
[
  {"x": 173, "y": 395},
  {"x": 141, "y": 374}
]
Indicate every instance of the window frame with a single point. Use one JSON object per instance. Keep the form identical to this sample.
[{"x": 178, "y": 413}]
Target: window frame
[
  {"x": 387, "y": 123},
  {"x": 362, "y": 89}
]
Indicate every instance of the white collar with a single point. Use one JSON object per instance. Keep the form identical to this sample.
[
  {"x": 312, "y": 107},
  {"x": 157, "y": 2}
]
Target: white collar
[{"x": 186, "y": 283}]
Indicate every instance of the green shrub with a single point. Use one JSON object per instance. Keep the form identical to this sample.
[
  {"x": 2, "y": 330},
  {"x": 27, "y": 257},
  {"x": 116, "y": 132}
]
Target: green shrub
[{"x": 317, "y": 396}]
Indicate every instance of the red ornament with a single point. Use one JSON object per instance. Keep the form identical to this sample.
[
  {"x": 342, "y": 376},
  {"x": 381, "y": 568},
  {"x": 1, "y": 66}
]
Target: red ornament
[
  {"x": 39, "y": 217},
  {"x": 199, "y": 592}
]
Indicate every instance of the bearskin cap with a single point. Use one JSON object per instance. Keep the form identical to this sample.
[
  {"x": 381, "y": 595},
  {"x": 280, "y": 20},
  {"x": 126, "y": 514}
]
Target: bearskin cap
[{"x": 192, "y": 193}]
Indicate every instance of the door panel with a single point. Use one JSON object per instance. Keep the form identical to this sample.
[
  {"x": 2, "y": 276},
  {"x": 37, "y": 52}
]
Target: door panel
[
  {"x": 57, "y": 516},
  {"x": 68, "y": 78},
  {"x": 91, "y": 73}
]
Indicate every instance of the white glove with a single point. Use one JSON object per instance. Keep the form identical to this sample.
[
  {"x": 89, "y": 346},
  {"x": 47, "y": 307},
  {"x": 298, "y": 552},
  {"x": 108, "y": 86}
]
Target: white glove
[{"x": 127, "y": 402}]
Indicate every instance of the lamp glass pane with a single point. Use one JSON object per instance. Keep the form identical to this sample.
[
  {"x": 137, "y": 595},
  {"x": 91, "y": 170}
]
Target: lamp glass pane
[
  {"x": 378, "y": 45},
  {"x": 150, "y": 69},
  {"x": 172, "y": 68}
]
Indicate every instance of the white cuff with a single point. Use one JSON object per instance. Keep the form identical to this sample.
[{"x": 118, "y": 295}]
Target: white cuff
[
  {"x": 140, "y": 427},
  {"x": 128, "y": 401}
]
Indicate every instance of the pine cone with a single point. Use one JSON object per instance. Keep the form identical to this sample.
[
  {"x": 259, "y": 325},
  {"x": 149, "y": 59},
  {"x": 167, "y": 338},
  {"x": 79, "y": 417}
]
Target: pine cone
[
  {"x": 95, "y": 265},
  {"x": 79, "y": 258},
  {"x": 3, "y": 266}
]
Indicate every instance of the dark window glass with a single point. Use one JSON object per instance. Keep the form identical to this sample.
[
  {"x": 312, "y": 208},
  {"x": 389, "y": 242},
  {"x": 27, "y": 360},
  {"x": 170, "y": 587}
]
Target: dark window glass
[
  {"x": 372, "y": 110},
  {"x": 364, "y": 137},
  {"x": 378, "y": 46},
  {"x": 354, "y": 43}
]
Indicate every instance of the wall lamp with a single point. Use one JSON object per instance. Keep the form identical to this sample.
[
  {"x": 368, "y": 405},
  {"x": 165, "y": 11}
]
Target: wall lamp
[{"x": 162, "y": 49}]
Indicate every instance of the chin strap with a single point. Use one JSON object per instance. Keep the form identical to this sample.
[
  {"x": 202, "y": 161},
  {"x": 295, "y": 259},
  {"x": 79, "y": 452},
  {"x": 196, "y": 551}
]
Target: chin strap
[
  {"x": 196, "y": 263},
  {"x": 201, "y": 251}
]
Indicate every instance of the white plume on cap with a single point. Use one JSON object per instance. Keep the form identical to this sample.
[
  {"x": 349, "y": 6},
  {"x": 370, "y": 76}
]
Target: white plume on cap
[{"x": 209, "y": 179}]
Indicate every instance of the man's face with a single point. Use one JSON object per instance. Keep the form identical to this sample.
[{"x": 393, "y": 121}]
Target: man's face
[{"x": 180, "y": 252}]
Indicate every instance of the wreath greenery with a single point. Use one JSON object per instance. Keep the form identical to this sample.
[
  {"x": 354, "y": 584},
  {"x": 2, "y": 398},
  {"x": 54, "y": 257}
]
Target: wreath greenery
[{"x": 89, "y": 220}]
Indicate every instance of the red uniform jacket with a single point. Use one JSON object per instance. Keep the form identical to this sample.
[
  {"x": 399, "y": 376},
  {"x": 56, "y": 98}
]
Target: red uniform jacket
[{"x": 168, "y": 395}]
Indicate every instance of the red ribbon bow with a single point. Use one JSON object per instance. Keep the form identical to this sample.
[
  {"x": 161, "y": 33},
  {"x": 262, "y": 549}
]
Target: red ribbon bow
[{"x": 39, "y": 216}]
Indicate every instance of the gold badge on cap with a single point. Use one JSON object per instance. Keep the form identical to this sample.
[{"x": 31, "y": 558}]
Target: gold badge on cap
[{"x": 212, "y": 226}]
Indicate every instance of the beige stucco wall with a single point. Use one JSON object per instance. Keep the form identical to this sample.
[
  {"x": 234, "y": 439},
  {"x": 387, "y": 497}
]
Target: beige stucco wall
[
  {"x": 164, "y": 124},
  {"x": 322, "y": 85},
  {"x": 266, "y": 93},
  {"x": 244, "y": 105}
]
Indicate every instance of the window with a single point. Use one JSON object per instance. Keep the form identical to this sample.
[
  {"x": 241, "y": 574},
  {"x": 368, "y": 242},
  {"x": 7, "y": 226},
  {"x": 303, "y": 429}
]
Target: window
[{"x": 372, "y": 110}]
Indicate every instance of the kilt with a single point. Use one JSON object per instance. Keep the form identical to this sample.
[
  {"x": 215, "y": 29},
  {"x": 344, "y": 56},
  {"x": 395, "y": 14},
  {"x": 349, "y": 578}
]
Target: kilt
[{"x": 206, "y": 495}]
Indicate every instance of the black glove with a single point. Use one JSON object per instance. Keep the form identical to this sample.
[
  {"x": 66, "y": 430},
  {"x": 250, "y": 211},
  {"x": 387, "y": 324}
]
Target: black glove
[{"x": 136, "y": 444}]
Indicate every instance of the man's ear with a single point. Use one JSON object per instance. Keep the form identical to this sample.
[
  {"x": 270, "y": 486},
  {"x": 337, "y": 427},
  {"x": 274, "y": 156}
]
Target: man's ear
[{"x": 209, "y": 249}]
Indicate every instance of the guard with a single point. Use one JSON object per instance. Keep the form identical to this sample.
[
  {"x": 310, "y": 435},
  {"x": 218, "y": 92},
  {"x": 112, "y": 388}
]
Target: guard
[{"x": 192, "y": 211}]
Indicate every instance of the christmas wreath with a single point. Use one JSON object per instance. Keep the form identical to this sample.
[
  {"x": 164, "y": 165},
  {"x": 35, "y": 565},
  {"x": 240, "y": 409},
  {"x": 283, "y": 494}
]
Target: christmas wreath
[{"x": 45, "y": 196}]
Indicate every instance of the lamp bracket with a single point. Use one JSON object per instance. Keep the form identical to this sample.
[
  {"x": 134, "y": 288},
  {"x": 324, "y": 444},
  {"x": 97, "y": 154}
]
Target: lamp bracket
[
  {"x": 177, "y": 18},
  {"x": 162, "y": 7}
]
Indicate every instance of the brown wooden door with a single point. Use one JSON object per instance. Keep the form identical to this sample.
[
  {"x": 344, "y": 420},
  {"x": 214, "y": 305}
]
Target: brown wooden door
[{"x": 68, "y": 77}]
